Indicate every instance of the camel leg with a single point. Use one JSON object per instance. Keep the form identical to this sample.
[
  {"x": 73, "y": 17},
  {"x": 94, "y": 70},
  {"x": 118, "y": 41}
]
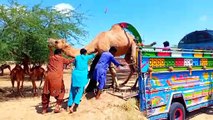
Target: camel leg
[
  {"x": 129, "y": 76},
  {"x": 2, "y": 72},
  {"x": 22, "y": 82},
  {"x": 34, "y": 87},
  {"x": 130, "y": 58},
  {"x": 136, "y": 82},
  {"x": 9, "y": 69},
  {"x": 114, "y": 77},
  {"x": 42, "y": 78},
  {"x": 20, "y": 92},
  {"x": 12, "y": 81},
  {"x": 18, "y": 88},
  {"x": 41, "y": 82},
  {"x": 26, "y": 69},
  {"x": 135, "y": 85},
  {"x": 18, "y": 85}
]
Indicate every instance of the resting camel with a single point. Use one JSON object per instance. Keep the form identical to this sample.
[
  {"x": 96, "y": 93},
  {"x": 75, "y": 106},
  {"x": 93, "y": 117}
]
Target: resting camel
[{"x": 117, "y": 37}]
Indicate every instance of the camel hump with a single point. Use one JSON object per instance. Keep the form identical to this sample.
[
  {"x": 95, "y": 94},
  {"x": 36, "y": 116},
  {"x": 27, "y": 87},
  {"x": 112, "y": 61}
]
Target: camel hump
[{"x": 116, "y": 27}]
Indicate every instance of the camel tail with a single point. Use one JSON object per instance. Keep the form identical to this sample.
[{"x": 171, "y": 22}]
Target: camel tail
[
  {"x": 41, "y": 83},
  {"x": 44, "y": 75}
]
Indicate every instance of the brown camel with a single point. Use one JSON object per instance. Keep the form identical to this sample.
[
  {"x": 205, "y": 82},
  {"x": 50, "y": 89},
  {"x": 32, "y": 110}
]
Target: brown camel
[
  {"x": 17, "y": 74},
  {"x": 117, "y": 37},
  {"x": 4, "y": 66},
  {"x": 36, "y": 73}
]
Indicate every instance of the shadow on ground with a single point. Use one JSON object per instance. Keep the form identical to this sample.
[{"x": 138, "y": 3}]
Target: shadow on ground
[
  {"x": 208, "y": 110},
  {"x": 7, "y": 93},
  {"x": 38, "y": 107}
]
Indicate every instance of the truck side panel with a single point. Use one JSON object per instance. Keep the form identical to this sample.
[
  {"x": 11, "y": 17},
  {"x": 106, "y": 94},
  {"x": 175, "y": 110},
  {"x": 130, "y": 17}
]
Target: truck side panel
[{"x": 195, "y": 88}]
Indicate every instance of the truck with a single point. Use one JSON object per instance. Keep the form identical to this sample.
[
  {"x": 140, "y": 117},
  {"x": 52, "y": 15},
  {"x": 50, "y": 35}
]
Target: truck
[{"x": 173, "y": 82}]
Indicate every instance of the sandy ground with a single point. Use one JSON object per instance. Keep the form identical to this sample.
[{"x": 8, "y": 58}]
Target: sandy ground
[{"x": 107, "y": 108}]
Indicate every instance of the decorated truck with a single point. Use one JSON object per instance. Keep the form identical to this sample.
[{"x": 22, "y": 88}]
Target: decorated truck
[{"x": 174, "y": 82}]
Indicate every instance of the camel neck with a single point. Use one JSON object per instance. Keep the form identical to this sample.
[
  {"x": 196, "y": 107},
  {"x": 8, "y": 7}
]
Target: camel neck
[
  {"x": 70, "y": 51},
  {"x": 90, "y": 47}
]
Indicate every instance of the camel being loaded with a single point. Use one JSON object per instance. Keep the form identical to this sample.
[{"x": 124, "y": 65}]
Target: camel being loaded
[{"x": 125, "y": 43}]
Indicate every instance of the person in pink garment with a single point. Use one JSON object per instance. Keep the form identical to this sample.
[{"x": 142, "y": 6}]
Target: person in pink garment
[{"x": 166, "y": 46}]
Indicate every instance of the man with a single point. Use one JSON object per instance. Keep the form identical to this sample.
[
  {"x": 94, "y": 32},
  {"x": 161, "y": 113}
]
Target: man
[
  {"x": 101, "y": 68},
  {"x": 54, "y": 85},
  {"x": 166, "y": 46},
  {"x": 79, "y": 79}
]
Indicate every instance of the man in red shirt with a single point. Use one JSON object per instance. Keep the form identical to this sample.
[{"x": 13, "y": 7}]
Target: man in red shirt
[{"x": 54, "y": 84}]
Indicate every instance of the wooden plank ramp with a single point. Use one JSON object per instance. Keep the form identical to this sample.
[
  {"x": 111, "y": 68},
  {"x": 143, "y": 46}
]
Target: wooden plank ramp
[{"x": 124, "y": 92}]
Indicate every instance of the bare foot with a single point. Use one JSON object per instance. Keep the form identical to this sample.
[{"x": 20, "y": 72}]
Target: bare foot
[
  {"x": 98, "y": 95},
  {"x": 71, "y": 109},
  {"x": 44, "y": 112},
  {"x": 75, "y": 107},
  {"x": 57, "y": 109}
]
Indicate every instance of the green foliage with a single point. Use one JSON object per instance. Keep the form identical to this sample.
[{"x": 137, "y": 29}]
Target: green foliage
[
  {"x": 4, "y": 54},
  {"x": 24, "y": 30}
]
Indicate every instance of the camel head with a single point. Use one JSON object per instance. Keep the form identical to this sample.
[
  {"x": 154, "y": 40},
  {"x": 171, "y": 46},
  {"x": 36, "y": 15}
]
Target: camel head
[
  {"x": 62, "y": 44},
  {"x": 58, "y": 43}
]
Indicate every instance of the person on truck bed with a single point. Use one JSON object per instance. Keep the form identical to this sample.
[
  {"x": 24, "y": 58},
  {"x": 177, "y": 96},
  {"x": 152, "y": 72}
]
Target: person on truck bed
[{"x": 166, "y": 46}]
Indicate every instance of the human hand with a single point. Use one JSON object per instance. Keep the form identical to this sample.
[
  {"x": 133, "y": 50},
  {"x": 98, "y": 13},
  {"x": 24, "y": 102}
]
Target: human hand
[
  {"x": 50, "y": 46},
  {"x": 122, "y": 65},
  {"x": 154, "y": 43}
]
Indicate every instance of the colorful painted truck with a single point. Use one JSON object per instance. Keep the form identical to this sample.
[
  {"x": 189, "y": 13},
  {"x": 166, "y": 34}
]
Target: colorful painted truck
[{"x": 174, "y": 82}]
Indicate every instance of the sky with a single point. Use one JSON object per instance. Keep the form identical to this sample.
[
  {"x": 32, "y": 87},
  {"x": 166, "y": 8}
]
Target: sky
[{"x": 155, "y": 20}]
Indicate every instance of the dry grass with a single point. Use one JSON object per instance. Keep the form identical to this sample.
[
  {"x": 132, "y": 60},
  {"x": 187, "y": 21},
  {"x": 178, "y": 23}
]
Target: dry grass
[{"x": 131, "y": 109}]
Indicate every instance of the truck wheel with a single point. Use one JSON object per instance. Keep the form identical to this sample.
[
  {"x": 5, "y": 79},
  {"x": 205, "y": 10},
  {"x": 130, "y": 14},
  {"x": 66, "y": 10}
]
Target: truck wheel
[{"x": 176, "y": 112}]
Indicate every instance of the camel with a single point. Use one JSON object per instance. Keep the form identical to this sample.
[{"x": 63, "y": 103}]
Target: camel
[
  {"x": 117, "y": 37},
  {"x": 17, "y": 74},
  {"x": 4, "y": 66},
  {"x": 36, "y": 73}
]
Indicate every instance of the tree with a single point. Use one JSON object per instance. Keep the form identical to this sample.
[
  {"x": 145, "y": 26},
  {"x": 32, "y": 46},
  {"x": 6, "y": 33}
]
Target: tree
[{"x": 24, "y": 31}]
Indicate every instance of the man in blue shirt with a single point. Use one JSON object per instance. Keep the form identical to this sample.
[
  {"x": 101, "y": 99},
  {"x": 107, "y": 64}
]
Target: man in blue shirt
[
  {"x": 79, "y": 79},
  {"x": 102, "y": 67}
]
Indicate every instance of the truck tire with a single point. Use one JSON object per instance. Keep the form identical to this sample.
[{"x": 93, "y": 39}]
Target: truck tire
[{"x": 177, "y": 111}]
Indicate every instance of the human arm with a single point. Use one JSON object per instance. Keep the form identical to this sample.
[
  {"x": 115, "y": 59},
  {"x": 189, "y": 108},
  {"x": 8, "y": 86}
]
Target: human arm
[
  {"x": 90, "y": 56},
  {"x": 51, "y": 51},
  {"x": 114, "y": 61},
  {"x": 68, "y": 61},
  {"x": 150, "y": 45}
]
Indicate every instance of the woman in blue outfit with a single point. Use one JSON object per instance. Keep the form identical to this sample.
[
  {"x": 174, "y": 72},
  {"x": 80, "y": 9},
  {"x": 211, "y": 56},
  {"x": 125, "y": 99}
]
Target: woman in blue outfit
[{"x": 79, "y": 79}]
